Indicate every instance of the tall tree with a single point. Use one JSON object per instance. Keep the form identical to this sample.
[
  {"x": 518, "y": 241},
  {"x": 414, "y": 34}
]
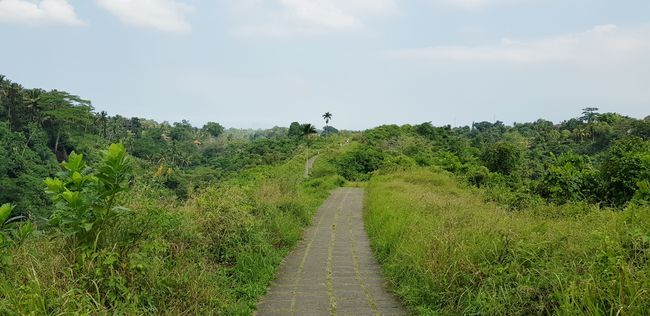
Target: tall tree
[
  {"x": 327, "y": 117},
  {"x": 64, "y": 113},
  {"x": 213, "y": 129},
  {"x": 32, "y": 104},
  {"x": 102, "y": 119},
  {"x": 295, "y": 130},
  {"x": 307, "y": 131},
  {"x": 589, "y": 114}
]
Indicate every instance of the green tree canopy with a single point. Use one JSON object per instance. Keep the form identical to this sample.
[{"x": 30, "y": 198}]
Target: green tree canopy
[
  {"x": 502, "y": 157},
  {"x": 213, "y": 129},
  {"x": 295, "y": 130}
]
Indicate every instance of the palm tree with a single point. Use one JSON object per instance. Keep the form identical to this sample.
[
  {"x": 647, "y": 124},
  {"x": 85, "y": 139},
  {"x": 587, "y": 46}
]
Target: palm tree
[
  {"x": 32, "y": 102},
  {"x": 327, "y": 117},
  {"x": 103, "y": 123},
  {"x": 307, "y": 131}
]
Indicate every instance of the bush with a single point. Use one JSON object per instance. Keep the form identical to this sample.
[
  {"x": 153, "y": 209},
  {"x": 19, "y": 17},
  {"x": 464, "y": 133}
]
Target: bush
[
  {"x": 358, "y": 163},
  {"x": 571, "y": 177},
  {"x": 476, "y": 175},
  {"x": 224, "y": 215},
  {"x": 642, "y": 195},
  {"x": 84, "y": 198},
  {"x": 398, "y": 162},
  {"x": 447, "y": 161},
  {"x": 625, "y": 164},
  {"x": 503, "y": 157}
]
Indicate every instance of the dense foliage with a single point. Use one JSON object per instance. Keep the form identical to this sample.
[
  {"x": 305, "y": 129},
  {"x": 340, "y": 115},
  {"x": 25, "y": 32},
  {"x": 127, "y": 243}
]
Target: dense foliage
[
  {"x": 193, "y": 220},
  {"x": 534, "y": 218},
  {"x": 40, "y": 128},
  {"x": 598, "y": 158},
  {"x": 107, "y": 214},
  {"x": 448, "y": 252}
]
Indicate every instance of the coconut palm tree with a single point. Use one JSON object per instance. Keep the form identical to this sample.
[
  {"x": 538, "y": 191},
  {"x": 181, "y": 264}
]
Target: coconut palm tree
[
  {"x": 327, "y": 117},
  {"x": 32, "y": 103},
  {"x": 307, "y": 131}
]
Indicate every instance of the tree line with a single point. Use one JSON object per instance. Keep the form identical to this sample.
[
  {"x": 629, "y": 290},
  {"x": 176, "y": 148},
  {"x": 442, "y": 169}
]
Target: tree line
[
  {"x": 597, "y": 158},
  {"x": 40, "y": 128}
]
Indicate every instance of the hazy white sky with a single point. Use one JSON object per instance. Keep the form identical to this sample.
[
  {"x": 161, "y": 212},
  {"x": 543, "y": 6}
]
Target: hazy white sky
[{"x": 260, "y": 63}]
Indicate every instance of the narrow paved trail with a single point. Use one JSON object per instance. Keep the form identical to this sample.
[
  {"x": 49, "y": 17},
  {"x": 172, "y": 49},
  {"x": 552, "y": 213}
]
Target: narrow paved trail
[
  {"x": 332, "y": 271},
  {"x": 309, "y": 165}
]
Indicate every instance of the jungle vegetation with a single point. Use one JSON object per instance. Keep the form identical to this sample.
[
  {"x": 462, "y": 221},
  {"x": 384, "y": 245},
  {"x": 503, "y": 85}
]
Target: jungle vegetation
[{"x": 109, "y": 214}]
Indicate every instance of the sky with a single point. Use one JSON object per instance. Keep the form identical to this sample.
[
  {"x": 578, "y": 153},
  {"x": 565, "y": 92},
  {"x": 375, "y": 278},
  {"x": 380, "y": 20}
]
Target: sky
[{"x": 262, "y": 63}]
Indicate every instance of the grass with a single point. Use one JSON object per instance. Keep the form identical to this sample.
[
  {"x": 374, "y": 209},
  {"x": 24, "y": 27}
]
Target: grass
[
  {"x": 447, "y": 251},
  {"x": 214, "y": 254},
  {"x": 356, "y": 184}
]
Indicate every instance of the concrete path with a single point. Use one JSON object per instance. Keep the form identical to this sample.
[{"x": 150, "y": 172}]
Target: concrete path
[
  {"x": 309, "y": 165},
  {"x": 332, "y": 271}
]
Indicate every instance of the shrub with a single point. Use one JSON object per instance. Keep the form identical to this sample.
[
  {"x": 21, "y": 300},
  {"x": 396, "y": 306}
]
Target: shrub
[
  {"x": 358, "y": 163},
  {"x": 503, "y": 157},
  {"x": 224, "y": 217},
  {"x": 642, "y": 195},
  {"x": 625, "y": 164},
  {"x": 476, "y": 175},
  {"x": 398, "y": 162},
  {"x": 84, "y": 199},
  {"x": 5, "y": 212},
  {"x": 571, "y": 177},
  {"x": 447, "y": 161}
]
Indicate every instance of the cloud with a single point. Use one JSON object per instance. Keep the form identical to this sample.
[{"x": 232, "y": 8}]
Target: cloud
[
  {"x": 307, "y": 17},
  {"x": 163, "y": 15},
  {"x": 475, "y": 4},
  {"x": 605, "y": 44},
  {"x": 45, "y": 12}
]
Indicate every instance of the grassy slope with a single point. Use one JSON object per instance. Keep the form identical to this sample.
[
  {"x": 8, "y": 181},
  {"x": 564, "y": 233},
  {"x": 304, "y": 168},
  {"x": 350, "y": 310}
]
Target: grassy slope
[
  {"x": 214, "y": 254},
  {"x": 446, "y": 251}
]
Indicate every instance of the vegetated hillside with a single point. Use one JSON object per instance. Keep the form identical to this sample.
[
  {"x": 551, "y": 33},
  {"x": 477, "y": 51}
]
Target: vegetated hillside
[
  {"x": 448, "y": 251},
  {"x": 38, "y": 129},
  {"x": 533, "y": 218},
  {"x": 173, "y": 218},
  {"x": 169, "y": 219},
  {"x": 597, "y": 159}
]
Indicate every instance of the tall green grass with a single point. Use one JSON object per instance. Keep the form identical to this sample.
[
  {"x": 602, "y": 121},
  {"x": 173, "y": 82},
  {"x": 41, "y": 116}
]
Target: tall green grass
[
  {"x": 447, "y": 251},
  {"x": 213, "y": 254}
]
